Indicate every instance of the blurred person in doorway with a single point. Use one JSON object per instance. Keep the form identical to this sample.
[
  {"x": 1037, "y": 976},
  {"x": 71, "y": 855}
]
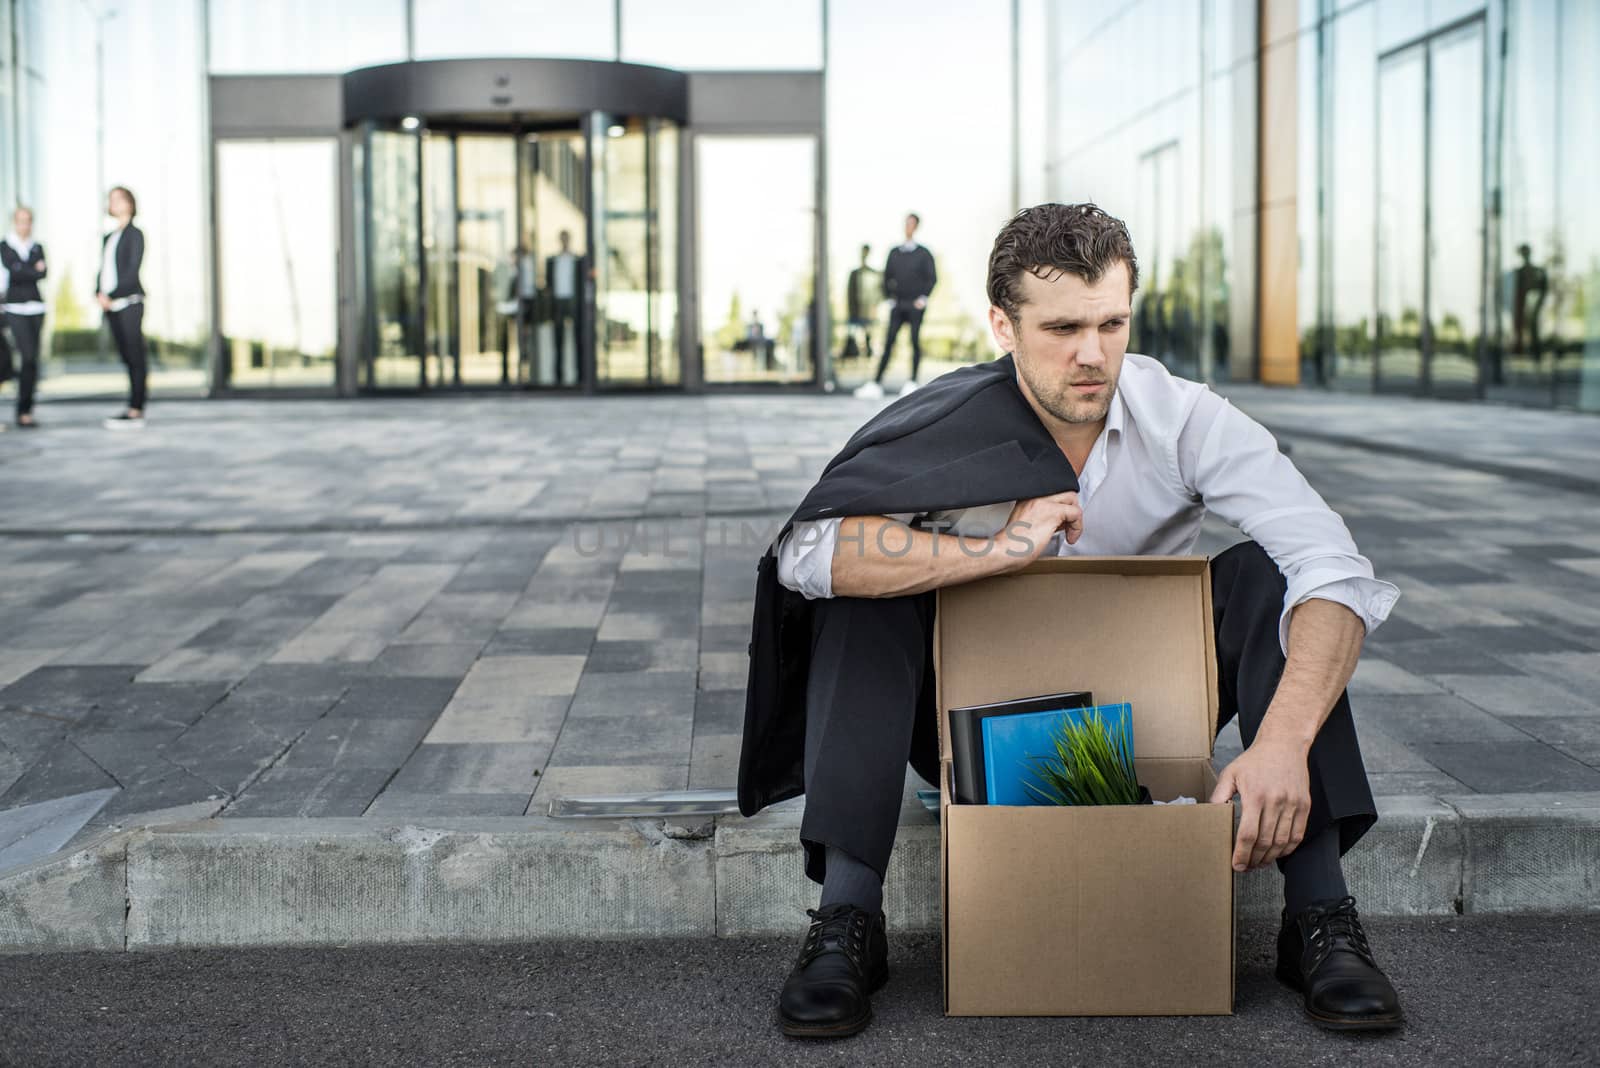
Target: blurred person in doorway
[
  {"x": 121, "y": 298},
  {"x": 564, "y": 275},
  {"x": 908, "y": 278},
  {"x": 863, "y": 291},
  {"x": 23, "y": 260}
]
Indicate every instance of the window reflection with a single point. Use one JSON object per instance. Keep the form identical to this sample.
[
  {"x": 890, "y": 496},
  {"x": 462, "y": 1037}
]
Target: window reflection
[
  {"x": 757, "y": 221},
  {"x": 393, "y": 245},
  {"x": 277, "y": 240}
]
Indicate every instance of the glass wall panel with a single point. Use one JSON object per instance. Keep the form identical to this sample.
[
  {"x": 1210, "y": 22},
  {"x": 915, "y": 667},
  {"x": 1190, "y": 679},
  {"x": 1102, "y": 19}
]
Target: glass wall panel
[
  {"x": 393, "y": 242},
  {"x": 1402, "y": 211},
  {"x": 723, "y": 34},
  {"x": 757, "y": 220},
  {"x": 1520, "y": 360},
  {"x": 278, "y": 255},
  {"x": 1455, "y": 211},
  {"x": 305, "y": 36},
  {"x": 1575, "y": 277},
  {"x": 465, "y": 29},
  {"x": 1352, "y": 176}
]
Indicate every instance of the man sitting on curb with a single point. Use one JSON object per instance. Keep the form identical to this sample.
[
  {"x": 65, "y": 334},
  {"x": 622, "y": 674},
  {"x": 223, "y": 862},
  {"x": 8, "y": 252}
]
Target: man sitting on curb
[{"x": 1071, "y": 446}]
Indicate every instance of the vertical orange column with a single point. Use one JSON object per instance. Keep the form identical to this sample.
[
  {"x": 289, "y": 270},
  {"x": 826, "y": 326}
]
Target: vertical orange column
[{"x": 1277, "y": 249}]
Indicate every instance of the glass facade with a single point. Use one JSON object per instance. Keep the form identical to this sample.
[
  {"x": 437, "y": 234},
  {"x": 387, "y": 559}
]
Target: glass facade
[
  {"x": 1435, "y": 160},
  {"x": 1415, "y": 180}
]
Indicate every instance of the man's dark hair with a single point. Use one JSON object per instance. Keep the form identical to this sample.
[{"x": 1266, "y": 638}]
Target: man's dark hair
[
  {"x": 914, "y": 217},
  {"x": 1048, "y": 240}
]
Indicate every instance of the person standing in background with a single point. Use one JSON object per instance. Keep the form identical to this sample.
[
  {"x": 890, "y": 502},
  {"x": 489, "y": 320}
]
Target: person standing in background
[
  {"x": 23, "y": 260},
  {"x": 564, "y": 276},
  {"x": 908, "y": 278},
  {"x": 862, "y": 294},
  {"x": 121, "y": 297}
]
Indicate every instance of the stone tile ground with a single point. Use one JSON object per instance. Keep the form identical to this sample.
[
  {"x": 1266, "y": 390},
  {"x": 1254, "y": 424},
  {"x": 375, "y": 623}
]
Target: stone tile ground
[{"x": 466, "y": 606}]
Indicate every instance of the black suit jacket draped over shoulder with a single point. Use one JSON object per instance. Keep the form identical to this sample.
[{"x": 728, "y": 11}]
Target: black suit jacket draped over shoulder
[{"x": 967, "y": 438}]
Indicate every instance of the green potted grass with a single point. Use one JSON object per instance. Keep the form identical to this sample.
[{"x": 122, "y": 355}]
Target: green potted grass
[{"x": 1092, "y": 765}]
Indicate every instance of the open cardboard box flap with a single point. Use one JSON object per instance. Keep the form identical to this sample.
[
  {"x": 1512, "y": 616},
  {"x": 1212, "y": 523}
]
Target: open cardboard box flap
[
  {"x": 1126, "y": 628},
  {"x": 1089, "y": 911}
]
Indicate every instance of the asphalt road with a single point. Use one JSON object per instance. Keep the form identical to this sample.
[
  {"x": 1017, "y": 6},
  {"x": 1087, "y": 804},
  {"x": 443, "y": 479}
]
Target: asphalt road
[{"x": 1519, "y": 990}]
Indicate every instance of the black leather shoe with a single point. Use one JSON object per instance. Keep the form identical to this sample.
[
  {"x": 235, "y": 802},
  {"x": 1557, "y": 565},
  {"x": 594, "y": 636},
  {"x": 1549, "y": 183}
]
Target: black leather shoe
[
  {"x": 1323, "y": 953},
  {"x": 844, "y": 960}
]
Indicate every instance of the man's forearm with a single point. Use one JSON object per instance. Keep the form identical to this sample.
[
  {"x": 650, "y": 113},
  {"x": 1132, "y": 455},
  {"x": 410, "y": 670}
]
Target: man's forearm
[
  {"x": 880, "y": 557},
  {"x": 1325, "y": 641}
]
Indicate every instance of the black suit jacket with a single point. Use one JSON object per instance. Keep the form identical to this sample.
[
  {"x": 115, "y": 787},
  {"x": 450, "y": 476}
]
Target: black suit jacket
[
  {"x": 24, "y": 280},
  {"x": 130, "y": 254},
  {"x": 966, "y": 438}
]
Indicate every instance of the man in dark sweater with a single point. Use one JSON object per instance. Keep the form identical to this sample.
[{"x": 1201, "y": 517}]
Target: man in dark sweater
[{"x": 908, "y": 278}]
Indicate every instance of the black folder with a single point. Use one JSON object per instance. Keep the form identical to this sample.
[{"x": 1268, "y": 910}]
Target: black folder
[{"x": 966, "y": 736}]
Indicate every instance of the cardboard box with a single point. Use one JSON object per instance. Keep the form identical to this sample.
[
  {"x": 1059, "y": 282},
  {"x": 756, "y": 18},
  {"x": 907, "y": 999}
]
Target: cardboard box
[{"x": 1089, "y": 911}]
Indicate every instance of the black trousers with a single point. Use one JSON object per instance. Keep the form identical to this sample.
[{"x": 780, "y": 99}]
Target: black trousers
[
  {"x": 25, "y": 331},
  {"x": 127, "y": 330},
  {"x": 902, "y": 315},
  {"x": 870, "y": 673},
  {"x": 566, "y": 311}
]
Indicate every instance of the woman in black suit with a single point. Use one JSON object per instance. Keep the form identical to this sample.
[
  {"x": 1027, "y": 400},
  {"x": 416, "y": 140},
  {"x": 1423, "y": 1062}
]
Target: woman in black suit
[
  {"x": 23, "y": 260},
  {"x": 121, "y": 297}
]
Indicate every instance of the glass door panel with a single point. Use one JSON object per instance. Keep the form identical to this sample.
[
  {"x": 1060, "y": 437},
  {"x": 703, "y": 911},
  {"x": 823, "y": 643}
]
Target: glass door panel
[
  {"x": 757, "y": 219},
  {"x": 622, "y": 260},
  {"x": 555, "y": 211},
  {"x": 1401, "y": 224},
  {"x": 394, "y": 236},
  {"x": 1455, "y": 211},
  {"x": 439, "y": 252},
  {"x": 278, "y": 245},
  {"x": 486, "y": 181}
]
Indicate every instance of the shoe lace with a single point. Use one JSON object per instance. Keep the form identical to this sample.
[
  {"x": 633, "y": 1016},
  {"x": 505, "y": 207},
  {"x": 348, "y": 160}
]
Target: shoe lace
[
  {"x": 836, "y": 928},
  {"x": 1336, "y": 927}
]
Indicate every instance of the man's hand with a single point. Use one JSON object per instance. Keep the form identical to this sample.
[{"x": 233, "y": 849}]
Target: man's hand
[
  {"x": 920, "y": 302},
  {"x": 1274, "y": 791},
  {"x": 105, "y": 301},
  {"x": 1034, "y": 521}
]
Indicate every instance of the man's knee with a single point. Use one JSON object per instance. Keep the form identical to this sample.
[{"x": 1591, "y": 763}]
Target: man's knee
[{"x": 1247, "y": 565}]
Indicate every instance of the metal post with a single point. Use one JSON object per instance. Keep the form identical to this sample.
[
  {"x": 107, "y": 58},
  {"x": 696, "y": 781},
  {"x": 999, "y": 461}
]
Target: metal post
[{"x": 1016, "y": 105}]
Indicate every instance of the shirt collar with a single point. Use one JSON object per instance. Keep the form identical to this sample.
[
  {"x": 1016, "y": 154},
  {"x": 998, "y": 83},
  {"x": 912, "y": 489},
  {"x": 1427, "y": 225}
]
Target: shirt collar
[
  {"x": 20, "y": 245},
  {"x": 909, "y": 246}
]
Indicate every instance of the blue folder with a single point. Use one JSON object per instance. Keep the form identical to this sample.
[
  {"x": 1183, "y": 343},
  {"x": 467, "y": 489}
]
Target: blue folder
[{"x": 1011, "y": 742}]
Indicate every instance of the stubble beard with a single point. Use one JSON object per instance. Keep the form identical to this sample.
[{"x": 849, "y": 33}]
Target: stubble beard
[{"x": 1059, "y": 400}]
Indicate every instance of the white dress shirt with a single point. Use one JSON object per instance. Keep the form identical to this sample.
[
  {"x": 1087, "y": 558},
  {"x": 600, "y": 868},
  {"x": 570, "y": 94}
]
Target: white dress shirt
[
  {"x": 564, "y": 286},
  {"x": 108, "y": 262},
  {"x": 1171, "y": 450}
]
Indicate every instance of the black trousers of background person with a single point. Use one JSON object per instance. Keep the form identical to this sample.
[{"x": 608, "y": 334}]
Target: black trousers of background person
[
  {"x": 127, "y": 330},
  {"x": 870, "y": 675},
  {"x": 907, "y": 315},
  {"x": 25, "y": 331}
]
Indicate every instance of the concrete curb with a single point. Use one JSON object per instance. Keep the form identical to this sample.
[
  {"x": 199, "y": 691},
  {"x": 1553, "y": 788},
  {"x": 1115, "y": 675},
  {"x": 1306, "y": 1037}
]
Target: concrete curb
[{"x": 288, "y": 882}]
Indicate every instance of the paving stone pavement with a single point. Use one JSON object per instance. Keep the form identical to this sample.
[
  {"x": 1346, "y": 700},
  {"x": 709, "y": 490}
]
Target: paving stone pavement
[{"x": 466, "y": 606}]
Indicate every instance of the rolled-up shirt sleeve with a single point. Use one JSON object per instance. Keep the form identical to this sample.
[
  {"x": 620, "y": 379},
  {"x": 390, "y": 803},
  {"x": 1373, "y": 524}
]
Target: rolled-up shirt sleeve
[
  {"x": 1234, "y": 467},
  {"x": 805, "y": 557}
]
